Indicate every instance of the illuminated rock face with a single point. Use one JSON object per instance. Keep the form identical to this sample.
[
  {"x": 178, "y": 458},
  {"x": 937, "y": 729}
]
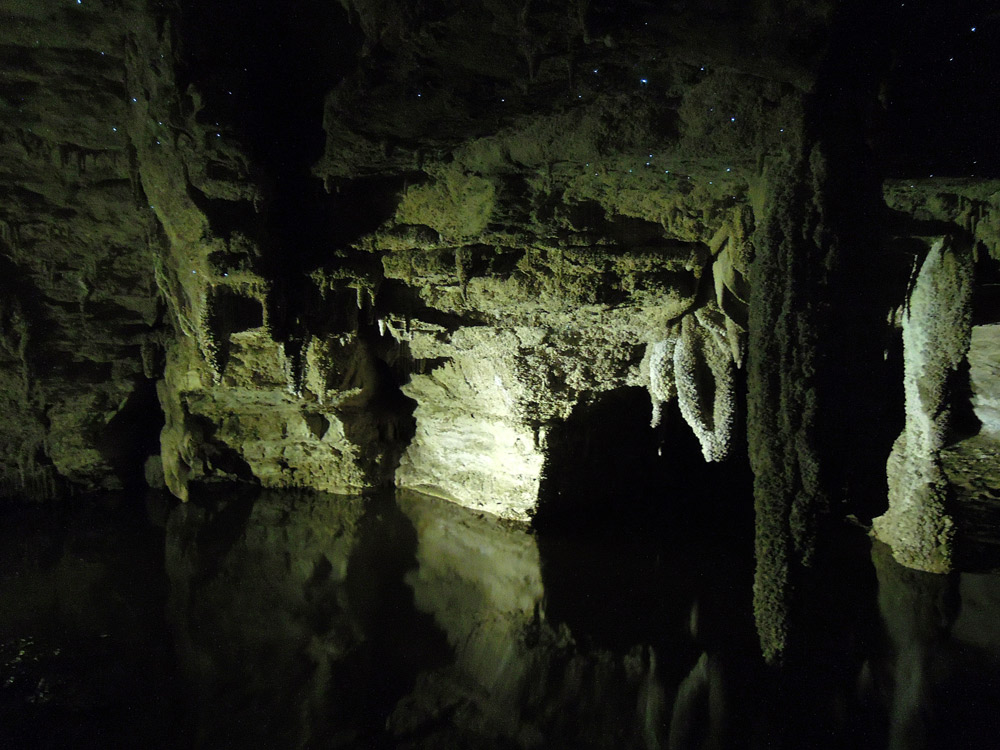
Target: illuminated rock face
[
  {"x": 365, "y": 245},
  {"x": 470, "y": 286},
  {"x": 936, "y": 336},
  {"x": 984, "y": 364},
  {"x": 77, "y": 239}
]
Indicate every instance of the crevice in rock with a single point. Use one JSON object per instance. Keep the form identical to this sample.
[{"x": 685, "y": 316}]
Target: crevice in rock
[
  {"x": 229, "y": 313},
  {"x": 226, "y": 217},
  {"x": 132, "y": 435}
]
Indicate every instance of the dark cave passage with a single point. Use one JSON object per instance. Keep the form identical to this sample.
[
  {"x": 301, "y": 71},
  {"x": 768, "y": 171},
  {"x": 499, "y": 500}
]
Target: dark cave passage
[
  {"x": 607, "y": 468},
  {"x": 133, "y": 435},
  {"x": 940, "y": 112},
  {"x": 271, "y": 96}
]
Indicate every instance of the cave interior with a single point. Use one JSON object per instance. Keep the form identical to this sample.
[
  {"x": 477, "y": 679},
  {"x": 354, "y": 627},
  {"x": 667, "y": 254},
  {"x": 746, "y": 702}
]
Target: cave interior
[{"x": 704, "y": 280}]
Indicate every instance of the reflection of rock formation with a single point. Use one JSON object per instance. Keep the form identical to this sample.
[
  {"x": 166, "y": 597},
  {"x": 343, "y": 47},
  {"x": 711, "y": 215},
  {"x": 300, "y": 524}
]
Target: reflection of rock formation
[
  {"x": 699, "y": 714},
  {"x": 290, "y": 608},
  {"x": 295, "y": 610},
  {"x": 701, "y": 710},
  {"x": 936, "y": 335},
  {"x": 516, "y": 678},
  {"x": 918, "y": 610},
  {"x": 483, "y": 586},
  {"x": 618, "y": 670}
]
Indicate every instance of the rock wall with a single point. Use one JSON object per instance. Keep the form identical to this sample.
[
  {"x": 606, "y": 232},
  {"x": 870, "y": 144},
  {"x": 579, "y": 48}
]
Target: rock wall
[
  {"x": 404, "y": 246},
  {"x": 80, "y": 321}
]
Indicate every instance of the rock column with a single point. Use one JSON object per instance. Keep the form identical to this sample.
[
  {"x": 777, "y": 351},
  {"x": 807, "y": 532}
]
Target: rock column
[{"x": 936, "y": 335}]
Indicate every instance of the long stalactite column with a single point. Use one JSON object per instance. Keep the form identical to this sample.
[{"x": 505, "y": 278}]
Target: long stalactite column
[
  {"x": 815, "y": 371},
  {"x": 937, "y": 330},
  {"x": 782, "y": 401}
]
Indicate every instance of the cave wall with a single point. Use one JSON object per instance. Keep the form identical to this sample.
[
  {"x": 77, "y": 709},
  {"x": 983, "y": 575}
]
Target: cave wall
[
  {"x": 370, "y": 244},
  {"x": 81, "y": 320},
  {"x": 574, "y": 218}
]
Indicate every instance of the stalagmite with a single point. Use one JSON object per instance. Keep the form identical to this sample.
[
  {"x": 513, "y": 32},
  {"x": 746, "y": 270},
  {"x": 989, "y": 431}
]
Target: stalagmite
[{"x": 936, "y": 336}]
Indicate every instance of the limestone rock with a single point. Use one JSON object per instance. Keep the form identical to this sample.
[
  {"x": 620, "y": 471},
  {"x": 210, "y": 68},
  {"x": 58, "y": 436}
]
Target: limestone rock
[
  {"x": 698, "y": 365},
  {"x": 936, "y": 337},
  {"x": 984, "y": 363},
  {"x": 662, "y": 386},
  {"x": 76, "y": 240},
  {"x": 475, "y": 442}
]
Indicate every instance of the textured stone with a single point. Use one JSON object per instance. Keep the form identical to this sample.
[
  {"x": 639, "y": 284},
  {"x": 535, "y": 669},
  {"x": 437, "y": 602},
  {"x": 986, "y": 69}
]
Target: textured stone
[
  {"x": 76, "y": 255},
  {"x": 409, "y": 256},
  {"x": 936, "y": 336},
  {"x": 984, "y": 363}
]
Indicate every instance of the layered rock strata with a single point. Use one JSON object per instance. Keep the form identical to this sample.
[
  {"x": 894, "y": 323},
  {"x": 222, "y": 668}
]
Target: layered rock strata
[
  {"x": 80, "y": 320},
  {"x": 411, "y": 262}
]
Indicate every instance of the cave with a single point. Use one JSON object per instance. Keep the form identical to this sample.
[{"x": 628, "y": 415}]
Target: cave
[{"x": 499, "y": 374}]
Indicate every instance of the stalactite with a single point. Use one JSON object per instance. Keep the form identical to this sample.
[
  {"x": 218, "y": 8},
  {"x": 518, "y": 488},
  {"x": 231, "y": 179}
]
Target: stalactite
[
  {"x": 782, "y": 401},
  {"x": 703, "y": 368},
  {"x": 662, "y": 388},
  {"x": 696, "y": 363}
]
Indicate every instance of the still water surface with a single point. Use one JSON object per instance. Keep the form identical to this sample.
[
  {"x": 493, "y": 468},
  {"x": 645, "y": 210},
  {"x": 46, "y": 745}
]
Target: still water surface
[{"x": 277, "y": 620}]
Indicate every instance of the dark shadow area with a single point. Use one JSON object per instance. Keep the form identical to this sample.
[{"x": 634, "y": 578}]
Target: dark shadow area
[
  {"x": 226, "y": 217},
  {"x": 133, "y": 435},
  {"x": 229, "y": 313},
  {"x": 607, "y": 468},
  {"x": 380, "y": 419},
  {"x": 940, "y": 95},
  {"x": 834, "y": 630},
  {"x": 219, "y": 456},
  {"x": 627, "y": 232},
  {"x": 86, "y": 658},
  {"x": 404, "y": 300},
  {"x": 854, "y": 282},
  {"x": 266, "y": 69},
  {"x": 642, "y": 542}
]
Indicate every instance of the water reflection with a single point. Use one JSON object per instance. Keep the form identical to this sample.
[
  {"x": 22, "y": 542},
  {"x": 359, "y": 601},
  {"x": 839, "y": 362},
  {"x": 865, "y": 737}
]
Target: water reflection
[
  {"x": 939, "y": 677},
  {"x": 292, "y": 621},
  {"x": 312, "y": 621}
]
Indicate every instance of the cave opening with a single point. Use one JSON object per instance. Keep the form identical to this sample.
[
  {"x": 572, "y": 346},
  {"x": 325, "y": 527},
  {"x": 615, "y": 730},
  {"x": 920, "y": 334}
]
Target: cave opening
[
  {"x": 607, "y": 469},
  {"x": 132, "y": 435}
]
